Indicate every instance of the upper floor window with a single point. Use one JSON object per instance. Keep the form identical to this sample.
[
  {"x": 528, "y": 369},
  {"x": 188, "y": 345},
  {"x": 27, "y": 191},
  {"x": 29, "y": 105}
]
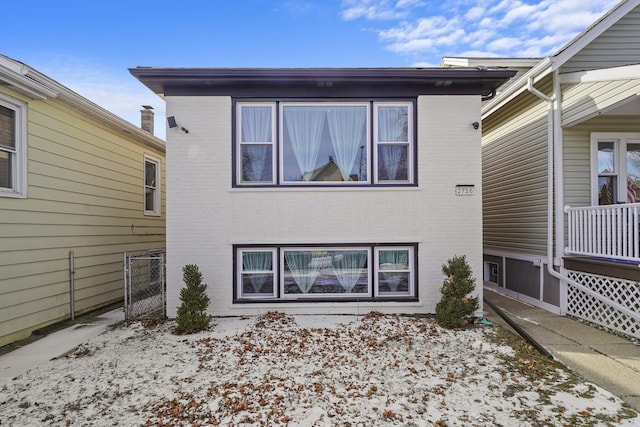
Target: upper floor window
[
  {"x": 315, "y": 143},
  {"x": 151, "y": 185},
  {"x": 12, "y": 148}
]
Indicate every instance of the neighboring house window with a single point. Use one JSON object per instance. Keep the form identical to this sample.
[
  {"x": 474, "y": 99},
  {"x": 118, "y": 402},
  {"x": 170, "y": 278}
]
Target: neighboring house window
[
  {"x": 615, "y": 168},
  {"x": 13, "y": 168},
  {"x": 363, "y": 272},
  {"x": 151, "y": 186},
  {"x": 324, "y": 143}
]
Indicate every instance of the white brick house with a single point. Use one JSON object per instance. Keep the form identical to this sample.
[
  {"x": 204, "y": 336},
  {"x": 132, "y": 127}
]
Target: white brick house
[{"x": 242, "y": 203}]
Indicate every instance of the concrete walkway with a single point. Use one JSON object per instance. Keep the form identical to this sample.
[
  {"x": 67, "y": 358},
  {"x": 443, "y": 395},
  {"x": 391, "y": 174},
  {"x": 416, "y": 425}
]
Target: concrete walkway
[
  {"x": 54, "y": 345},
  {"x": 602, "y": 358}
]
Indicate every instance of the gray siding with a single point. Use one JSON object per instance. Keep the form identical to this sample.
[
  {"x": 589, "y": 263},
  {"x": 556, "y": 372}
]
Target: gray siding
[
  {"x": 619, "y": 45},
  {"x": 514, "y": 169},
  {"x": 585, "y": 100},
  {"x": 577, "y": 179}
]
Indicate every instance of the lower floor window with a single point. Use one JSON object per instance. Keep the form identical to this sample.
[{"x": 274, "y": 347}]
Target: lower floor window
[{"x": 306, "y": 272}]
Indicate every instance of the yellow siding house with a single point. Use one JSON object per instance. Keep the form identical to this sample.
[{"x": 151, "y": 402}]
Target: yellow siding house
[{"x": 74, "y": 196}]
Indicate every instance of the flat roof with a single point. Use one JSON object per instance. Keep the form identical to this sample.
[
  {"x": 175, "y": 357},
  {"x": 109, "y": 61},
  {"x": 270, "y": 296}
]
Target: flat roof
[{"x": 317, "y": 81}]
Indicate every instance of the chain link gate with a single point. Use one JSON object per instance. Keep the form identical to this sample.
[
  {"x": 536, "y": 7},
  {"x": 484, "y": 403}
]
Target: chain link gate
[{"x": 144, "y": 284}]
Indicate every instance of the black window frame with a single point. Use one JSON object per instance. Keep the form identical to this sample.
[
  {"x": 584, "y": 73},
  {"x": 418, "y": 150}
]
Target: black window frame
[
  {"x": 372, "y": 270},
  {"x": 413, "y": 144}
]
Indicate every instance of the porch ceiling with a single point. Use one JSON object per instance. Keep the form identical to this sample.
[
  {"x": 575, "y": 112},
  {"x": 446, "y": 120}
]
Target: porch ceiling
[{"x": 627, "y": 107}]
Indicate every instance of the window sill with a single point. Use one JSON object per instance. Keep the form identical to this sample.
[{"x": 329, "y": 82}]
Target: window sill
[
  {"x": 320, "y": 189},
  {"x": 12, "y": 195},
  {"x": 396, "y": 302}
]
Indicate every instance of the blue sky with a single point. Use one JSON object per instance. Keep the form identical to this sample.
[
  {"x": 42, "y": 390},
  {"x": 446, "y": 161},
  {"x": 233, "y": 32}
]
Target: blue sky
[{"x": 89, "y": 45}]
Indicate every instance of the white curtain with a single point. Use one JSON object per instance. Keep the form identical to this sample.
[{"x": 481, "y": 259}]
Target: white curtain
[
  {"x": 257, "y": 162},
  {"x": 392, "y": 124},
  {"x": 392, "y": 127},
  {"x": 304, "y": 125},
  {"x": 389, "y": 160},
  {"x": 256, "y": 127},
  {"x": 348, "y": 267},
  {"x": 257, "y": 262},
  {"x": 345, "y": 126},
  {"x": 256, "y": 124},
  {"x": 393, "y": 260},
  {"x": 304, "y": 267}
]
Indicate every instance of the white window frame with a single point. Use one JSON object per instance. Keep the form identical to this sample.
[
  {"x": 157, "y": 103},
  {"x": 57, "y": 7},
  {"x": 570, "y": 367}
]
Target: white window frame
[
  {"x": 157, "y": 209},
  {"x": 411, "y": 270},
  {"x": 240, "y": 272},
  {"x": 19, "y": 154},
  {"x": 284, "y": 296},
  {"x": 239, "y": 143},
  {"x": 410, "y": 143},
  {"x": 327, "y": 104},
  {"x": 620, "y": 141}
]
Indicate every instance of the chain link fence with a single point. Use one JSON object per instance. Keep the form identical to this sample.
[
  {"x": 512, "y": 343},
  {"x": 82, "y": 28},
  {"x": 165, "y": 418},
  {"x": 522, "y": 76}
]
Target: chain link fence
[{"x": 144, "y": 284}]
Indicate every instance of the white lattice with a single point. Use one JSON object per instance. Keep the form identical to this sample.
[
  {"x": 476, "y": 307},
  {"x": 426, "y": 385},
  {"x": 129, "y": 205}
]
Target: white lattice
[{"x": 624, "y": 292}]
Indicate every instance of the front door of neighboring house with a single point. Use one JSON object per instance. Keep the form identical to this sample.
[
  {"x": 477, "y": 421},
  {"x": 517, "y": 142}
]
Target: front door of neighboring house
[{"x": 615, "y": 168}]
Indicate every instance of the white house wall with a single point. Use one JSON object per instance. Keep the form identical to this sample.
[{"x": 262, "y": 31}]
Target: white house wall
[{"x": 206, "y": 216}]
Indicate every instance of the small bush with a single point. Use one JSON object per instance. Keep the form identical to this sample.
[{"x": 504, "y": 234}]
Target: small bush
[
  {"x": 456, "y": 306},
  {"x": 192, "y": 314}
]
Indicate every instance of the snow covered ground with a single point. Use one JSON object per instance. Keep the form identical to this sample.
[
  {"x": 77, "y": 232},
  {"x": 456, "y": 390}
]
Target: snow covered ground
[{"x": 306, "y": 371}]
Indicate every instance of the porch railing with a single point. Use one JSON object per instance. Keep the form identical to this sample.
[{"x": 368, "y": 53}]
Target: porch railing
[{"x": 610, "y": 231}]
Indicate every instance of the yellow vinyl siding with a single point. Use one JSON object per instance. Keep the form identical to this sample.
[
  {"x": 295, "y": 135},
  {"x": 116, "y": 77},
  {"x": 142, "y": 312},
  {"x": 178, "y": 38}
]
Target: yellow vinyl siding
[{"x": 86, "y": 195}]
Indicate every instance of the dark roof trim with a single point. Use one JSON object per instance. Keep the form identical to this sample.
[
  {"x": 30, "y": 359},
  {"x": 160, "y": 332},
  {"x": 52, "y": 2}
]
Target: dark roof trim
[{"x": 320, "y": 81}]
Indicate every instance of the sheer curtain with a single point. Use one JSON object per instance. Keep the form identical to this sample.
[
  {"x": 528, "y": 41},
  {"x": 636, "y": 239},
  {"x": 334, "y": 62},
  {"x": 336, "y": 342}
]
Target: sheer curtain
[
  {"x": 393, "y": 260},
  {"x": 392, "y": 124},
  {"x": 304, "y": 125},
  {"x": 348, "y": 267},
  {"x": 390, "y": 159},
  {"x": 392, "y": 127},
  {"x": 303, "y": 268},
  {"x": 257, "y": 262},
  {"x": 345, "y": 126},
  {"x": 256, "y": 127}
]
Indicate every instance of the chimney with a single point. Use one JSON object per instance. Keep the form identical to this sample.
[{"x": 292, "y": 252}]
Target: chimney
[{"x": 146, "y": 118}]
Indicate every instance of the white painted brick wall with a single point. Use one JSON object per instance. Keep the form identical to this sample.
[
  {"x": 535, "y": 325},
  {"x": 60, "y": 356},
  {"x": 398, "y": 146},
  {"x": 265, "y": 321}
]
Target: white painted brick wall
[{"x": 205, "y": 216}]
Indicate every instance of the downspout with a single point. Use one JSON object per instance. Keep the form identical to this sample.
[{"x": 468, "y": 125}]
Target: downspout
[{"x": 554, "y": 180}]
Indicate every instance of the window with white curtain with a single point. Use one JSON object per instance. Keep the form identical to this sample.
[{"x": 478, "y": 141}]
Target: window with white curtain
[
  {"x": 394, "y": 271},
  {"x": 362, "y": 272},
  {"x": 392, "y": 135},
  {"x": 324, "y": 143},
  {"x": 257, "y": 273},
  {"x": 256, "y": 137}
]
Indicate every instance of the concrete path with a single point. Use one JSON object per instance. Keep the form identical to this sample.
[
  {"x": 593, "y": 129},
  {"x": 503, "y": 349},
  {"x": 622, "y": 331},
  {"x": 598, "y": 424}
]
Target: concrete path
[
  {"x": 54, "y": 345},
  {"x": 605, "y": 359}
]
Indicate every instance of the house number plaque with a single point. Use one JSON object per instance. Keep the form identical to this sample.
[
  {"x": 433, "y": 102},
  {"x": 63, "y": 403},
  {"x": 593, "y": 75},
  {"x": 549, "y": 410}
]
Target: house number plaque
[{"x": 465, "y": 190}]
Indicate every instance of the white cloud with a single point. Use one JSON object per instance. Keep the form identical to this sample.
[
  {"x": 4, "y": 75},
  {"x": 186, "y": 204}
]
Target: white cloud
[
  {"x": 507, "y": 28},
  {"x": 377, "y": 9}
]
